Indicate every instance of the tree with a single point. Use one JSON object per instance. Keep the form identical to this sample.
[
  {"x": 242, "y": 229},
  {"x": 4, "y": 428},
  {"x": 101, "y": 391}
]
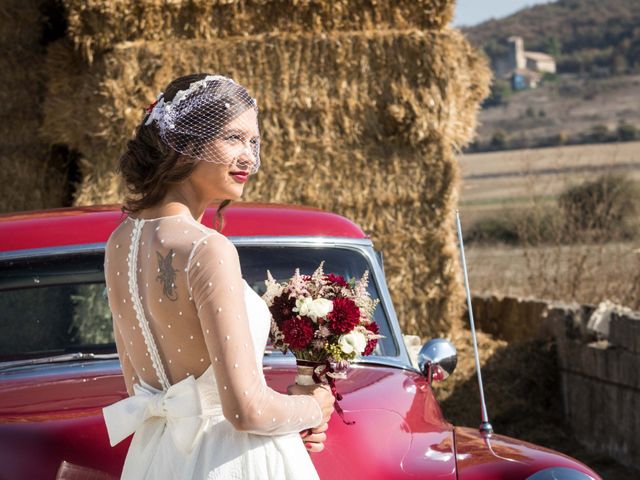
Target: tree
[
  {"x": 627, "y": 132},
  {"x": 553, "y": 46},
  {"x": 499, "y": 140},
  {"x": 604, "y": 208},
  {"x": 500, "y": 90},
  {"x": 599, "y": 133}
]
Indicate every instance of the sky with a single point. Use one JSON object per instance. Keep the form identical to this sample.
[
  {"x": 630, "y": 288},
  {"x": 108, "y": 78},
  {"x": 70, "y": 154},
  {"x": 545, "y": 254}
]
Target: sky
[{"x": 471, "y": 12}]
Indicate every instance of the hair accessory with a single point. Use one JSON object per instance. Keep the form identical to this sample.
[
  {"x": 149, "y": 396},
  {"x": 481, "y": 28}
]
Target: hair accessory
[
  {"x": 203, "y": 122},
  {"x": 155, "y": 109}
]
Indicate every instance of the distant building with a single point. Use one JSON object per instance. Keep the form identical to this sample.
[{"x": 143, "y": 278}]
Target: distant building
[
  {"x": 522, "y": 79},
  {"x": 524, "y": 69}
]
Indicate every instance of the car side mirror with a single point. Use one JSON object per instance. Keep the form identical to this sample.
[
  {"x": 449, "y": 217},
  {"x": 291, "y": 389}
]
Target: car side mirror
[{"x": 437, "y": 359}]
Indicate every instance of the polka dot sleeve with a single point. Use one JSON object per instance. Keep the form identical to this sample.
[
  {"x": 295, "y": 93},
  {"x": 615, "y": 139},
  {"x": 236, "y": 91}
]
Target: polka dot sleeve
[{"x": 247, "y": 402}]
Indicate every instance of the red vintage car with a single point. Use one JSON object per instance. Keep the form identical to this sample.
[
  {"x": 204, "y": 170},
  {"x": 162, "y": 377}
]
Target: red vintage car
[{"x": 58, "y": 365}]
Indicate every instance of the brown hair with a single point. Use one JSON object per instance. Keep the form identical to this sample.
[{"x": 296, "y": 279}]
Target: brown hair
[{"x": 149, "y": 166}]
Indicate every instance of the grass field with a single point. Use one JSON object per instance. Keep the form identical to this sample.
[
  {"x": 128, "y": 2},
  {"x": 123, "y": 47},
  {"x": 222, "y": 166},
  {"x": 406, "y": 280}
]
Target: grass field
[
  {"x": 497, "y": 181},
  {"x": 580, "y": 273},
  {"x": 495, "y": 184}
]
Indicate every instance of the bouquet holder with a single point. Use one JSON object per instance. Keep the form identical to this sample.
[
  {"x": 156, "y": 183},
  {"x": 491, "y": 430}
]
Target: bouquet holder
[
  {"x": 304, "y": 374},
  {"x": 323, "y": 373}
]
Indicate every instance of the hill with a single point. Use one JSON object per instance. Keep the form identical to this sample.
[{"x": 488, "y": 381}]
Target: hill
[
  {"x": 571, "y": 109},
  {"x": 583, "y": 35}
]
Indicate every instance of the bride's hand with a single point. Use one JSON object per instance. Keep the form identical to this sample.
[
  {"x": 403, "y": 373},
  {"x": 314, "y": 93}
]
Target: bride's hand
[
  {"x": 322, "y": 394},
  {"x": 314, "y": 438}
]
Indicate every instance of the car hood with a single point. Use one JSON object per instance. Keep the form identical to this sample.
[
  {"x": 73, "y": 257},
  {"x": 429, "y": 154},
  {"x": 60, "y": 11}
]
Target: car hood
[
  {"x": 500, "y": 457},
  {"x": 389, "y": 414}
]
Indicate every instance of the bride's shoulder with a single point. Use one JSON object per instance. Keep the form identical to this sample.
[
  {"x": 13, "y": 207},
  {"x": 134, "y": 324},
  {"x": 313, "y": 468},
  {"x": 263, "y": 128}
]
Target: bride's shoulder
[
  {"x": 208, "y": 238},
  {"x": 215, "y": 249},
  {"x": 203, "y": 231},
  {"x": 119, "y": 233}
]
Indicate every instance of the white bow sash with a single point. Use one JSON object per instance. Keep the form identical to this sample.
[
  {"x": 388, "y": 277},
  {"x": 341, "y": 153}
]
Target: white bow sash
[{"x": 180, "y": 407}]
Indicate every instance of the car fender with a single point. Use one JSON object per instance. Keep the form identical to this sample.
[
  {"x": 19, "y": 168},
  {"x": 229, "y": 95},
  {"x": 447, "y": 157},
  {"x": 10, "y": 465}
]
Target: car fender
[{"x": 495, "y": 457}]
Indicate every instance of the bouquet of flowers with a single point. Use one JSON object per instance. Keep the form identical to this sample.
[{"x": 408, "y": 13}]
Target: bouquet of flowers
[{"x": 325, "y": 321}]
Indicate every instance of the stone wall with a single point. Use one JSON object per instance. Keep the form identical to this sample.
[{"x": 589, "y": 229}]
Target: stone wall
[{"x": 599, "y": 362}]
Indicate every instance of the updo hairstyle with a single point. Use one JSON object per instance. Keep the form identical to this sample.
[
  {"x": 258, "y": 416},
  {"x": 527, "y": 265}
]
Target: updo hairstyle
[{"x": 149, "y": 165}]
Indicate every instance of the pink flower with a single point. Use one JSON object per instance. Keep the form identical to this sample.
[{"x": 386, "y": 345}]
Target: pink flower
[{"x": 323, "y": 331}]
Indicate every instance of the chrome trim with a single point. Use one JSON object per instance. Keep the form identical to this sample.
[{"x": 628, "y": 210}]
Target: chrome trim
[
  {"x": 437, "y": 359},
  {"x": 67, "y": 357},
  {"x": 47, "y": 251},
  {"x": 289, "y": 240},
  {"x": 386, "y": 303},
  {"x": 268, "y": 362},
  {"x": 237, "y": 240},
  {"x": 564, "y": 473},
  {"x": 361, "y": 245},
  {"x": 286, "y": 360},
  {"x": 270, "y": 358}
]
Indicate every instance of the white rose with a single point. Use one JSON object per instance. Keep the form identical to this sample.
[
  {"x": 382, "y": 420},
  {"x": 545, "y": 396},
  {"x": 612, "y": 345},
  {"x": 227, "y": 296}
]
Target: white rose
[
  {"x": 352, "y": 341},
  {"x": 302, "y": 305},
  {"x": 319, "y": 308},
  {"x": 313, "y": 308}
]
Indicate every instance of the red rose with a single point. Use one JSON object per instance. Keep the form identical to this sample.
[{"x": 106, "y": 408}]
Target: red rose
[
  {"x": 337, "y": 279},
  {"x": 282, "y": 307},
  {"x": 371, "y": 344},
  {"x": 298, "y": 332},
  {"x": 344, "y": 316}
]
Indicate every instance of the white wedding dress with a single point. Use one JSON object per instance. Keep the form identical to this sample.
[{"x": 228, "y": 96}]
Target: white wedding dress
[{"x": 191, "y": 334}]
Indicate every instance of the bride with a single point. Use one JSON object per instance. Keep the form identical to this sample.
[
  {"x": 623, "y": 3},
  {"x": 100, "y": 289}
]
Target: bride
[{"x": 189, "y": 330}]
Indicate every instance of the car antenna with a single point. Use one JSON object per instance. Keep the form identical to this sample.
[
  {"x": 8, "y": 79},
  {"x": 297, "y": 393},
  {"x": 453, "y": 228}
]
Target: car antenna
[{"x": 485, "y": 426}]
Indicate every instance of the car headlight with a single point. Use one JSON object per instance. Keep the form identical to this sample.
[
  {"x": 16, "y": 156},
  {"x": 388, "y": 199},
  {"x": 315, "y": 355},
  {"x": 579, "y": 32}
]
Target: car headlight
[{"x": 559, "y": 473}]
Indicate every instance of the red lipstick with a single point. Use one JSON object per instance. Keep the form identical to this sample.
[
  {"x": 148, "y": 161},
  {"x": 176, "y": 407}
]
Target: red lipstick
[{"x": 240, "y": 177}]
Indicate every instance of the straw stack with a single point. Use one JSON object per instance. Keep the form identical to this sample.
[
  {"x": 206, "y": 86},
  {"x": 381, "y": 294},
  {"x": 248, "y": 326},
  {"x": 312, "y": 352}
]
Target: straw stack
[
  {"x": 365, "y": 123},
  {"x": 28, "y": 179},
  {"x": 97, "y": 25}
]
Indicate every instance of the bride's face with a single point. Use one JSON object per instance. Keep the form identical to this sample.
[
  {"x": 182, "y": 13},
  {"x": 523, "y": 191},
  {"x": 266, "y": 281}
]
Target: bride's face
[{"x": 230, "y": 158}]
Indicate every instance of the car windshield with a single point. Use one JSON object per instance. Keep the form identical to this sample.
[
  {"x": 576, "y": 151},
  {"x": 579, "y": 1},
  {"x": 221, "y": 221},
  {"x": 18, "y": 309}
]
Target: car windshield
[{"x": 57, "y": 304}]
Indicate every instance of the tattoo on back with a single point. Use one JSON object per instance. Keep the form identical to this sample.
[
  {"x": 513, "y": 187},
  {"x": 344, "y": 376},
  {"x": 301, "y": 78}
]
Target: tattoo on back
[{"x": 167, "y": 275}]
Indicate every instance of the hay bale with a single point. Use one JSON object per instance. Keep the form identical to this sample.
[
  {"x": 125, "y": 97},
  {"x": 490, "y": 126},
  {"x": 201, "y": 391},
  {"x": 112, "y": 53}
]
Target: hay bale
[
  {"x": 97, "y": 25},
  {"x": 20, "y": 22},
  {"x": 386, "y": 110},
  {"x": 22, "y": 94},
  {"x": 28, "y": 178}
]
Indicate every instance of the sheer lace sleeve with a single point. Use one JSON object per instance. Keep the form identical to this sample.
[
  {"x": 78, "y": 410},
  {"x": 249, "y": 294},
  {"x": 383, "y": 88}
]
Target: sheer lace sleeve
[
  {"x": 128, "y": 372},
  {"x": 247, "y": 402}
]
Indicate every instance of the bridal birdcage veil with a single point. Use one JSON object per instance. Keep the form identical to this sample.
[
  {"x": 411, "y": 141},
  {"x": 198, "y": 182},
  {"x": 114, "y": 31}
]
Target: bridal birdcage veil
[{"x": 211, "y": 120}]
